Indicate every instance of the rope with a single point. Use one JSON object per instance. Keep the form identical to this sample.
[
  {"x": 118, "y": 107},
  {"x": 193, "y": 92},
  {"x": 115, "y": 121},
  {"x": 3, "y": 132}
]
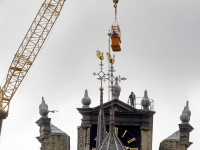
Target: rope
[
  {"x": 115, "y": 21},
  {"x": 115, "y": 12}
]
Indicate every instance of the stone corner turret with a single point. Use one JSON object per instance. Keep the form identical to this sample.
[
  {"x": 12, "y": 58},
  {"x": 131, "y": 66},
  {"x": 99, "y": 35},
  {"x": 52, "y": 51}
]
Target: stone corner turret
[
  {"x": 180, "y": 139},
  {"x": 50, "y": 135}
]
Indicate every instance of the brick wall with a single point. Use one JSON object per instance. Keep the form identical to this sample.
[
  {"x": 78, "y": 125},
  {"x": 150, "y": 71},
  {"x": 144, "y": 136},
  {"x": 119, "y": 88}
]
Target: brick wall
[
  {"x": 56, "y": 142},
  {"x": 172, "y": 145},
  {"x": 84, "y": 137},
  {"x": 147, "y": 137}
]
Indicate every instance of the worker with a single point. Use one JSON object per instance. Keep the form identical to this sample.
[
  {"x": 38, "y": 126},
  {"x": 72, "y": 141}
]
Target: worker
[
  {"x": 132, "y": 99},
  {"x": 115, "y": 33}
]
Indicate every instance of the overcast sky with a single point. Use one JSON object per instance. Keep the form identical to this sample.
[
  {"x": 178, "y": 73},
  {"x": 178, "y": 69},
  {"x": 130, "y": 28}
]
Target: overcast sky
[{"x": 160, "y": 53}]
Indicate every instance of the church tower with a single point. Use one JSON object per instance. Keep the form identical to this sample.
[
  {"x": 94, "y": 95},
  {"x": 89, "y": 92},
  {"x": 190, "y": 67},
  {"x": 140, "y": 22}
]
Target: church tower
[
  {"x": 126, "y": 127},
  {"x": 134, "y": 127}
]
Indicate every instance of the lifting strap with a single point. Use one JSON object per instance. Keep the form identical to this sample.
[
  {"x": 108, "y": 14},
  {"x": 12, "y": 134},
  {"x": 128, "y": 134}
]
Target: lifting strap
[
  {"x": 115, "y": 11},
  {"x": 115, "y": 21}
]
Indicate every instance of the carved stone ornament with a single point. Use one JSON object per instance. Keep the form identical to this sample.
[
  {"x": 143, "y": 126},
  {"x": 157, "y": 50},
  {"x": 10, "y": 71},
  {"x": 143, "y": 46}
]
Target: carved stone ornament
[
  {"x": 186, "y": 113},
  {"x": 86, "y": 101},
  {"x": 116, "y": 89},
  {"x": 43, "y": 109},
  {"x": 145, "y": 101}
]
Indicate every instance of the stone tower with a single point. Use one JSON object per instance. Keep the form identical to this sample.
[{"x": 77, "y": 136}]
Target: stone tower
[
  {"x": 84, "y": 130},
  {"x": 133, "y": 127},
  {"x": 51, "y": 138},
  {"x": 180, "y": 139}
]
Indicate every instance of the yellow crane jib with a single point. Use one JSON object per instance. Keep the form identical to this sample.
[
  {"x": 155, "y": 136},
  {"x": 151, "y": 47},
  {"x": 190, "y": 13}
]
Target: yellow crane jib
[{"x": 29, "y": 49}]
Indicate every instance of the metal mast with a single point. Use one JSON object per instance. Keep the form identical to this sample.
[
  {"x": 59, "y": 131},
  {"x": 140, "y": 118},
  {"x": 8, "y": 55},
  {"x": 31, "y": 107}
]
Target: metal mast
[
  {"x": 28, "y": 50},
  {"x": 109, "y": 34},
  {"x": 101, "y": 126}
]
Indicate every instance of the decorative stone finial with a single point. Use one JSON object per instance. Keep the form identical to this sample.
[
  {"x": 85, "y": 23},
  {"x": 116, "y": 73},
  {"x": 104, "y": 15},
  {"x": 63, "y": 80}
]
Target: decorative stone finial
[
  {"x": 145, "y": 101},
  {"x": 186, "y": 113},
  {"x": 116, "y": 89},
  {"x": 187, "y": 109},
  {"x": 43, "y": 109},
  {"x": 86, "y": 101}
]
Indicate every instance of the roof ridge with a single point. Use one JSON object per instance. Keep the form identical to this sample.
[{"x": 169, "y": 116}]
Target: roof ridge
[
  {"x": 115, "y": 101},
  {"x": 174, "y": 136},
  {"x": 56, "y": 130}
]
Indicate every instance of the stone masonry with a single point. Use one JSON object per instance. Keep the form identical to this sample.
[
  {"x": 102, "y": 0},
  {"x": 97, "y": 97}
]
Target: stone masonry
[
  {"x": 147, "y": 136},
  {"x": 51, "y": 138},
  {"x": 84, "y": 137},
  {"x": 172, "y": 145},
  {"x": 56, "y": 142}
]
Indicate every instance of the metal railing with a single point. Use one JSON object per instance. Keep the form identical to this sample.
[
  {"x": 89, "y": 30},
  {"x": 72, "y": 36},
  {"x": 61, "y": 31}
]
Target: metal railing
[{"x": 139, "y": 106}]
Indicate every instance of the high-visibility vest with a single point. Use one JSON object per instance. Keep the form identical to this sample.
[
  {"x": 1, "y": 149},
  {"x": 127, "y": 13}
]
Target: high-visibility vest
[{"x": 133, "y": 95}]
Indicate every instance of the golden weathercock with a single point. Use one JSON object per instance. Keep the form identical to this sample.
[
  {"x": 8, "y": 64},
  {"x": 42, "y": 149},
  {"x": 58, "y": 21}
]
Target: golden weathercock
[
  {"x": 110, "y": 59},
  {"x": 99, "y": 55}
]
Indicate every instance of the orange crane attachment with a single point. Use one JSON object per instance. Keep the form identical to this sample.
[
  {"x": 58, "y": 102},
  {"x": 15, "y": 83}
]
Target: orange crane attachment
[
  {"x": 116, "y": 38},
  {"x": 28, "y": 50},
  {"x": 115, "y": 31}
]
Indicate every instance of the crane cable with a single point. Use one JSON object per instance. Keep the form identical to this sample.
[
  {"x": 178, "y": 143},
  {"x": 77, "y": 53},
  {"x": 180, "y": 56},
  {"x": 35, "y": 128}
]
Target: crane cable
[
  {"x": 115, "y": 21},
  {"x": 115, "y": 11}
]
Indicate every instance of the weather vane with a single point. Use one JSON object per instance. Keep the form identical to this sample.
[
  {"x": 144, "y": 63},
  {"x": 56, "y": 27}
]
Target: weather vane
[
  {"x": 101, "y": 74},
  {"x": 109, "y": 76}
]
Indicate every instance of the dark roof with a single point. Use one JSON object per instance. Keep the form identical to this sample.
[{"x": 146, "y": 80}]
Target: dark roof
[
  {"x": 174, "y": 136},
  {"x": 55, "y": 130},
  {"x": 111, "y": 142}
]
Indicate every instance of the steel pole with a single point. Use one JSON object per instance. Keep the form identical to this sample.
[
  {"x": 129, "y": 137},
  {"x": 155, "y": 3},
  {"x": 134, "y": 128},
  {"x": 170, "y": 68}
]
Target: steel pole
[
  {"x": 3, "y": 116},
  {"x": 1, "y": 122},
  {"x": 108, "y": 66}
]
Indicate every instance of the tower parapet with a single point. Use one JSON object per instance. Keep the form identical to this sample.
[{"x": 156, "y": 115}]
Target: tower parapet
[
  {"x": 180, "y": 139},
  {"x": 50, "y": 135}
]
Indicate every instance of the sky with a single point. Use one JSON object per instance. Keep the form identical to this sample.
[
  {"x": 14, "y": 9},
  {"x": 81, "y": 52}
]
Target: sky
[{"x": 160, "y": 53}]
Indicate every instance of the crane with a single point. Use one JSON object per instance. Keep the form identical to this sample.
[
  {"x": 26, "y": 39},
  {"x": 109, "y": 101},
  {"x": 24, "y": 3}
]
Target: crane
[{"x": 27, "y": 52}]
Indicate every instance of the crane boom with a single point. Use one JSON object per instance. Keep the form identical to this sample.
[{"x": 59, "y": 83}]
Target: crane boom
[{"x": 28, "y": 51}]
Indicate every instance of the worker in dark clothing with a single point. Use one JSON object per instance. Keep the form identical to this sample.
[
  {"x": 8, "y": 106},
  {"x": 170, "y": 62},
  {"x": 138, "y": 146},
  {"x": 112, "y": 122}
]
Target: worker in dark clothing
[
  {"x": 115, "y": 33},
  {"x": 132, "y": 98}
]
